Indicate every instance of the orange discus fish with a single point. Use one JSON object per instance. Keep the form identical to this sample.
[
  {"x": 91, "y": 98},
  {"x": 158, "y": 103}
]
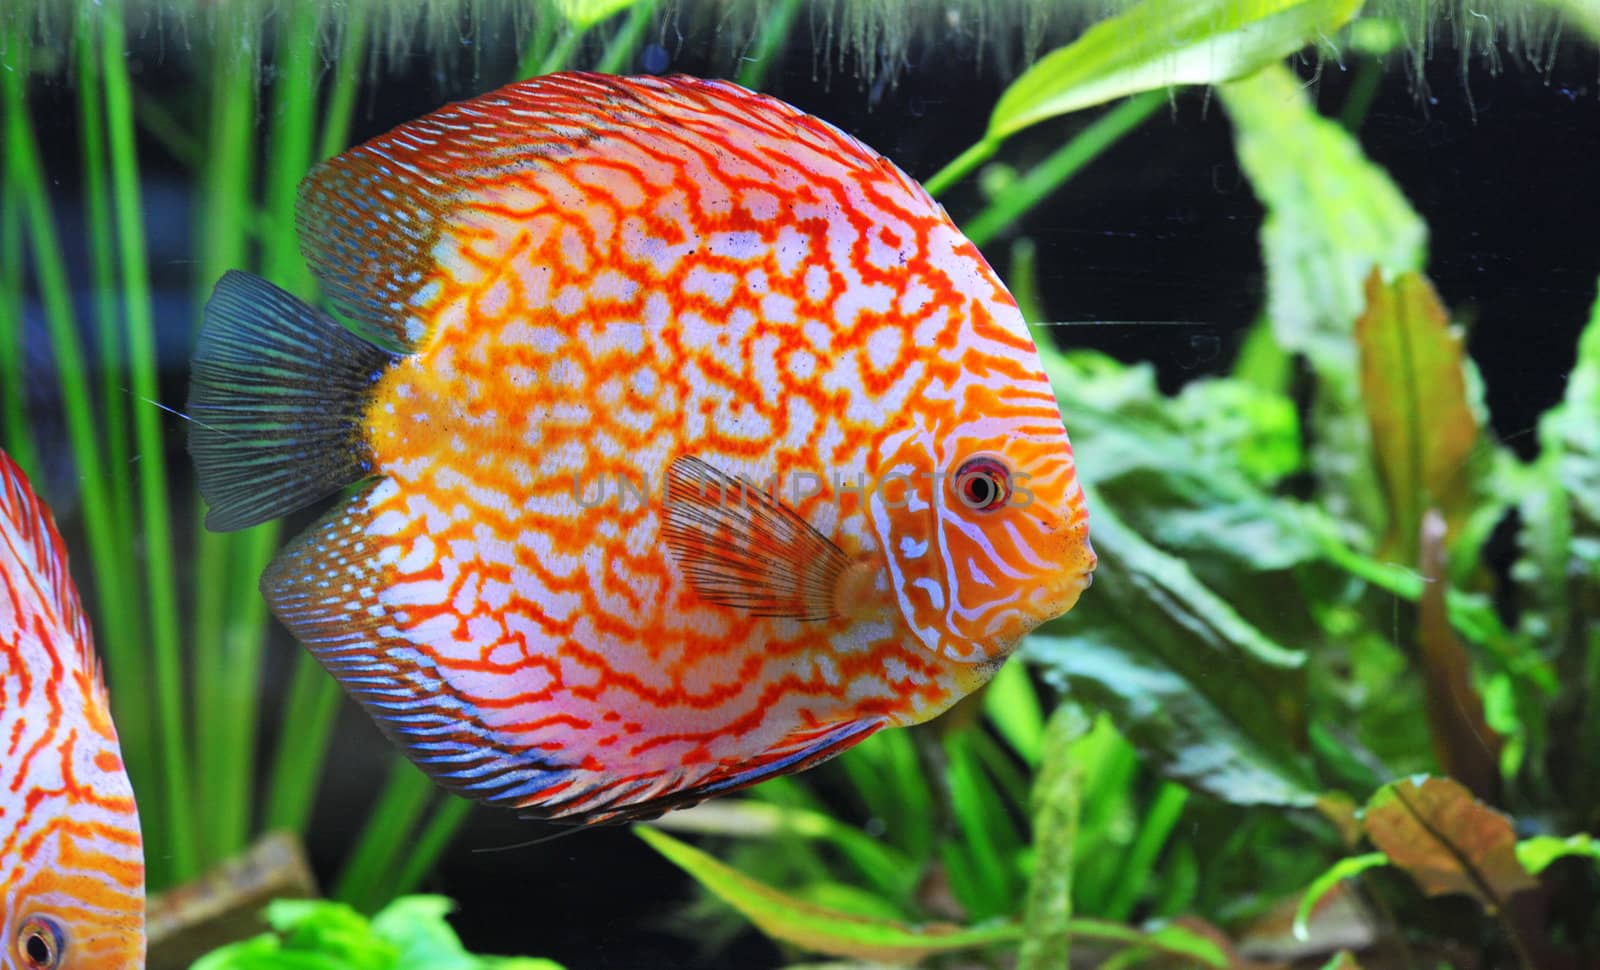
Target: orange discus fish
[
  {"x": 71, "y": 859},
  {"x": 698, "y": 444}
]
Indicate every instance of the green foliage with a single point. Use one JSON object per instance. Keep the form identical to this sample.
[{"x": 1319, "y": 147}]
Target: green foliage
[
  {"x": 1154, "y": 44},
  {"x": 409, "y": 934}
]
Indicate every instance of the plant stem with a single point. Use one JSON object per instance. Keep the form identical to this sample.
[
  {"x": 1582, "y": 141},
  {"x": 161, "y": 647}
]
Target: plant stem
[
  {"x": 309, "y": 707},
  {"x": 774, "y": 31},
  {"x": 97, "y": 206},
  {"x": 1062, "y": 164},
  {"x": 18, "y": 437},
  {"x": 1364, "y": 87},
  {"x": 960, "y": 167},
  {"x": 162, "y": 605},
  {"x": 1057, "y": 794}
]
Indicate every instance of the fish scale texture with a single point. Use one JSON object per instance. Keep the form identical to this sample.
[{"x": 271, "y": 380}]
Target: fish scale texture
[
  {"x": 594, "y": 276},
  {"x": 71, "y": 860}
]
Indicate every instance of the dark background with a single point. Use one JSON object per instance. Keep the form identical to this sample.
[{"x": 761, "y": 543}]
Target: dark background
[{"x": 1162, "y": 228}]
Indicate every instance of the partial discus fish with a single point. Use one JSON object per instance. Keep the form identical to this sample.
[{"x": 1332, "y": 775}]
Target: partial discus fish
[
  {"x": 71, "y": 858},
  {"x": 697, "y": 444}
]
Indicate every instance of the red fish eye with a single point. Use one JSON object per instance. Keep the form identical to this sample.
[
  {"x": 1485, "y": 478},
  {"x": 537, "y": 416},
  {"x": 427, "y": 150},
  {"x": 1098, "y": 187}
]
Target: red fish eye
[
  {"x": 41, "y": 944},
  {"x": 983, "y": 484}
]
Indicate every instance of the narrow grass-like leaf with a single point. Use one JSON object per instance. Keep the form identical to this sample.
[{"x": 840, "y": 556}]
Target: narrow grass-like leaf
[
  {"x": 102, "y": 264},
  {"x": 421, "y": 855},
  {"x": 1155, "y": 830},
  {"x": 774, "y": 33},
  {"x": 1012, "y": 705},
  {"x": 988, "y": 839},
  {"x": 14, "y": 426},
  {"x": 395, "y": 813},
  {"x": 226, "y": 669},
  {"x": 149, "y": 434},
  {"x": 623, "y": 48}
]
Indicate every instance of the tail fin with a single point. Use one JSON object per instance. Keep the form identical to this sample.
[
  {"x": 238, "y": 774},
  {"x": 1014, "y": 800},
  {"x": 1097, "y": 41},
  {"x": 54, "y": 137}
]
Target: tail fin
[{"x": 277, "y": 397}]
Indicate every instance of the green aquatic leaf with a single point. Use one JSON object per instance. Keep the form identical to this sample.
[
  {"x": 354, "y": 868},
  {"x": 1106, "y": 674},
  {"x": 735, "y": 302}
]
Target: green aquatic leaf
[
  {"x": 1213, "y": 701},
  {"x": 1331, "y": 217},
  {"x": 1161, "y": 43}
]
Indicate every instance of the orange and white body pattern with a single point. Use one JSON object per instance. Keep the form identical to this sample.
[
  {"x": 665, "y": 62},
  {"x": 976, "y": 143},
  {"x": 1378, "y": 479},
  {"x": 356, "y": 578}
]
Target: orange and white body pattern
[
  {"x": 615, "y": 297},
  {"x": 71, "y": 860}
]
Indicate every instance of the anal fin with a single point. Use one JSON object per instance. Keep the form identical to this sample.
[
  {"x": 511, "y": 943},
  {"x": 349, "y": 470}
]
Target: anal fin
[{"x": 327, "y": 588}]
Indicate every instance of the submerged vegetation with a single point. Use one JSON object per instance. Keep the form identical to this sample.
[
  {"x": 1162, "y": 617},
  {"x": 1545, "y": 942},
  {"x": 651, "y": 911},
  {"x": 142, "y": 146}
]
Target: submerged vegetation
[{"x": 1300, "y": 710}]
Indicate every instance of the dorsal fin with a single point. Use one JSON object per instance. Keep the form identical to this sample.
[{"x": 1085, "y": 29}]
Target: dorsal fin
[
  {"x": 28, "y": 532},
  {"x": 370, "y": 219}
]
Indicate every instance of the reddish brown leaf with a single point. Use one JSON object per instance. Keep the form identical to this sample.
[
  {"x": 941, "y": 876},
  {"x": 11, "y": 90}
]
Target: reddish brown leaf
[
  {"x": 1414, "y": 386},
  {"x": 1467, "y": 748},
  {"x": 1447, "y": 840}
]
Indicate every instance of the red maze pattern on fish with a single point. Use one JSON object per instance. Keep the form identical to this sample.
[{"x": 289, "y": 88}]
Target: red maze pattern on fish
[
  {"x": 70, "y": 847},
  {"x": 709, "y": 273}
]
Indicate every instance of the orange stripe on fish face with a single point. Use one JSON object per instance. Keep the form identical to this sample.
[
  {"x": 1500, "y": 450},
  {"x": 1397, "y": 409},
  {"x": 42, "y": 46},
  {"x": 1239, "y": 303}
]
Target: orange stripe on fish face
[
  {"x": 596, "y": 278},
  {"x": 71, "y": 860}
]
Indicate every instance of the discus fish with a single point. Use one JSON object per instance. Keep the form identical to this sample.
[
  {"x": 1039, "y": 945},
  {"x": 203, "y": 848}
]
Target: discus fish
[
  {"x": 697, "y": 444},
  {"x": 71, "y": 858}
]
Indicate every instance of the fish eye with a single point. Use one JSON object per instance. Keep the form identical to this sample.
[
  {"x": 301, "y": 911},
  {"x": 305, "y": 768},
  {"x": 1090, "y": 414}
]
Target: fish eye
[
  {"x": 983, "y": 484},
  {"x": 41, "y": 943}
]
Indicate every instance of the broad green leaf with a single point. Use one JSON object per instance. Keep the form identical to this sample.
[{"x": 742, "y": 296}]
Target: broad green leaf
[
  {"x": 1414, "y": 388},
  {"x": 1161, "y": 43},
  {"x": 1325, "y": 883},
  {"x": 1331, "y": 216},
  {"x": 1467, "y": 748},
  {"x": 1196, "y": 687},
  {"x": 1448, "y": 841},
  {"x": 1537, "y": 853}
]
